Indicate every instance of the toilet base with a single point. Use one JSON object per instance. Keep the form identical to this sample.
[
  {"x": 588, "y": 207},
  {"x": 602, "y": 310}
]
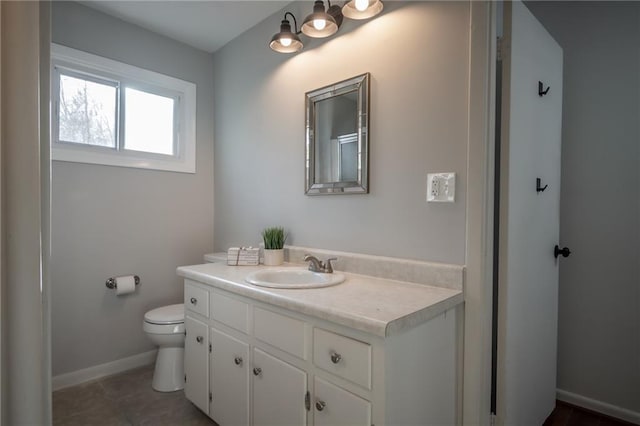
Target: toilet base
[{"x": 168, "y": 375}]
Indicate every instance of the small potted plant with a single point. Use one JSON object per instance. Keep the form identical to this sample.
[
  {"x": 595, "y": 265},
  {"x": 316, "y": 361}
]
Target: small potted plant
[{"x": 274, "y": 238}]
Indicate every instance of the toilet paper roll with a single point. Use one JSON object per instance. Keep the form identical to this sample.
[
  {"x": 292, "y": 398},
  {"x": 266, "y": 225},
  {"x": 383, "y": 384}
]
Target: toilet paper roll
[{"x": 125, "y": 285}]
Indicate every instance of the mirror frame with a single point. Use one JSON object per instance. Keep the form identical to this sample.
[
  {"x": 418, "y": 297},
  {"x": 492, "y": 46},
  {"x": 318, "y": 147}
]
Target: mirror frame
[{"x": 359, "y": 84}]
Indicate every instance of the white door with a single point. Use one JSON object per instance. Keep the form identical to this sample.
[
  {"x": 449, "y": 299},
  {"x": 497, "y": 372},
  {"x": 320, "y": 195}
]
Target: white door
[
  {"x": 229, "y": 380},
  {"x": 529, "y": 220},
  {"x": 279, "y": 391},
  {"x": 196, "y": 363}
]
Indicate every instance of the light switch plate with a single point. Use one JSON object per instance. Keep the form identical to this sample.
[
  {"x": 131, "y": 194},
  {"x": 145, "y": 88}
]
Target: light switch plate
[{"x": 441, "y": 187}]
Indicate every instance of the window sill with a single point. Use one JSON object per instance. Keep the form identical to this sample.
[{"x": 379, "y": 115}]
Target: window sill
[{"x": 119, "y": 159}]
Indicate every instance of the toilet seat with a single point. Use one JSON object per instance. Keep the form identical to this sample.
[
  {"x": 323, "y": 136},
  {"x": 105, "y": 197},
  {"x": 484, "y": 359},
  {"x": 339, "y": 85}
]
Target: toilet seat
[{"x": 166, "y": 315}]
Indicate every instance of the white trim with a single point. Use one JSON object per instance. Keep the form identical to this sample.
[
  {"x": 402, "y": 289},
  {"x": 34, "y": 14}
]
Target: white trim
[
  {"x": 598, "y": 406},
  {"x": 97, "y": 371},
  {"x": 3, "y": 264},
  {"x": 476, "y": 380},
  {"x": 134, "y": 77},
  {"x": 24, "y": 391}
]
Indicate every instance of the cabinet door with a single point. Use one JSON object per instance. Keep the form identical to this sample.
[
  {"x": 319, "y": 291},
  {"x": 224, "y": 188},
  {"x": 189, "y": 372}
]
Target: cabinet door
[
  {"x": 334, "y": 406},
  {"x": 229, "y": 380},
  {"x": 279, "y": 391},
  {"x": 196, "y": 363}
]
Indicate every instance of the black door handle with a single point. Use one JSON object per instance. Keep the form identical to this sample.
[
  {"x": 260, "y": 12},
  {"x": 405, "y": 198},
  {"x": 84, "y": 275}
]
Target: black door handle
[{"x": 557, "y": 251}]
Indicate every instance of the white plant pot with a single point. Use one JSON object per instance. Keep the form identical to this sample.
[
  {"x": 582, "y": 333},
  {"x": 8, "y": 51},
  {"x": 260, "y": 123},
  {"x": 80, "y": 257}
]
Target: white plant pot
[{"x": 273, "y": 257}]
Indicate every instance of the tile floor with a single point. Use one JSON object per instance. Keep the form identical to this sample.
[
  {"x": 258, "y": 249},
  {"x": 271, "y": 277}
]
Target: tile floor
[
  {"x": 127, "y": 399},
  {"x": 124, "y": 399}
]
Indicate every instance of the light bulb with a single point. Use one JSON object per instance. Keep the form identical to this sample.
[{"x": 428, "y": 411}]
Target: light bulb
[
  {"x": 319, "y": 24},
  {"x": 362, "y": 5},
  {"x": 286, "y": 42}
]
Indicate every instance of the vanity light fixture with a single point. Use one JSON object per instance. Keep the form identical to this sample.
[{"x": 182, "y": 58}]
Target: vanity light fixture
[
  {"x": 320, "y": 24},
  {"x": 286, "y": 41},
  {"x": 362, "y": 9}
]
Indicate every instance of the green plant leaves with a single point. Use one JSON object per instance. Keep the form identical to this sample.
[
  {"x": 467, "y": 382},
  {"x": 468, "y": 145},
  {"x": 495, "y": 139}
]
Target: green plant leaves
[{"x": 274, "y": 238}]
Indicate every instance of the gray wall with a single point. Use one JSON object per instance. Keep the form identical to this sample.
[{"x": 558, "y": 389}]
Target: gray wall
[
  {"x": 599, "y": 322},
  {"x": 110, "y": 221},
  {"x": 418, "y": 57}
]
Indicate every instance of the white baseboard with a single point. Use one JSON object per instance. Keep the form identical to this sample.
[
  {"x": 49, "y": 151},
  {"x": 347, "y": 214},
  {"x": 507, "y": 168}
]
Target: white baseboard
[
  {"x": 87, "y": 374},
  {"x": 598, "y": 406}
]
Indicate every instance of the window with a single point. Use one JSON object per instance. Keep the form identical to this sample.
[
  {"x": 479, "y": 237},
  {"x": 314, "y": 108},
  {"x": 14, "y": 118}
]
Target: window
[{"x": 107, "y": 112}]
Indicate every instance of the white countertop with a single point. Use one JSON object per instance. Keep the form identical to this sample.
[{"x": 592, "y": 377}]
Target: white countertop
[{"x": 381, "y": 307}]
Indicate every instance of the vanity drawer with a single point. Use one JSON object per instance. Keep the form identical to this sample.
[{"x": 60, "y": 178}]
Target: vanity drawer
[
  {"x": 196, "y": 299},
  {"x": 335, "y": 406},
  {"x": 280, "y": 331},
  {"x": 342, "y": 356},
  {"x": 230, "y": 311}
]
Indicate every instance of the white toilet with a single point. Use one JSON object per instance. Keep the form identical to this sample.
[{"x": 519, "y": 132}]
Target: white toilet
[{"x": 165, "y": 327}]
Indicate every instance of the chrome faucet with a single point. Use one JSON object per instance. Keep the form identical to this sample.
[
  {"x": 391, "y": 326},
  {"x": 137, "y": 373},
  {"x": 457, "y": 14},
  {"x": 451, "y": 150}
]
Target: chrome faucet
[{"x": 316, "y": 265}]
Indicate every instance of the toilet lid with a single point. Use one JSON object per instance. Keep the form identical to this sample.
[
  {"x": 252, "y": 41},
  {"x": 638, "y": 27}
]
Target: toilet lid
[{"x": 171, "y": 314}]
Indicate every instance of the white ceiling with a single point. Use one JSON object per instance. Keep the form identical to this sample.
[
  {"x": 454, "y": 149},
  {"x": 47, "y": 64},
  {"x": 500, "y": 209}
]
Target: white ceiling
[{"x": 206, "y": 25}]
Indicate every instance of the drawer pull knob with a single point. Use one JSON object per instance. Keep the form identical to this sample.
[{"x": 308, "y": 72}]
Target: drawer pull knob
[
  {"x": 199, "y": 339},
  {"x": 335, "y": 357},
  {"x": 194, "y": 301},
  {"x": 237, "y": 360},
  {"x": 257, "y": 371},
  {"x": 320, "y": 405}
]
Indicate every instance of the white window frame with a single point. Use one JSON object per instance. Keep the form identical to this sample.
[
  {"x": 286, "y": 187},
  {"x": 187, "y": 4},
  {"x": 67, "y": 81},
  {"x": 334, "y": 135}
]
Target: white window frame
[{"x": 77, "y": 62}]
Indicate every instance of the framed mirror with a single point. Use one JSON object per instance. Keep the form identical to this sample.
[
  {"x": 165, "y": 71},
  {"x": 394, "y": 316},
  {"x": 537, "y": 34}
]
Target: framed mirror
[{"x": 337, "y": 138}]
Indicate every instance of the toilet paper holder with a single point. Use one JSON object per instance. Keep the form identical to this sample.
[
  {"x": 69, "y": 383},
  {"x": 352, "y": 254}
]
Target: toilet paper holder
[{"x": 111, "y": 282}]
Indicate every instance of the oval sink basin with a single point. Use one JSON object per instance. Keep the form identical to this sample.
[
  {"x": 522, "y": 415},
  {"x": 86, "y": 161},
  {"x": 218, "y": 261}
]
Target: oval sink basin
[{"x": 293, "y": 278}]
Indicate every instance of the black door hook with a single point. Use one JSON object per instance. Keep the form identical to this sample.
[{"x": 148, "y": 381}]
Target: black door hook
[
  {"x": 541, "y": 90},
  {"x": 538, "y": 187},
  {"x": 557, "y": 251}
]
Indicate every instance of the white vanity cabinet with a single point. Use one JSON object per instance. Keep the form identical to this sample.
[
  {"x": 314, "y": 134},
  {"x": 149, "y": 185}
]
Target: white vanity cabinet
[
  {"x": 227, "y": 375},
  {"x": 230, "y": 379},
  {"x": 196, "y": 362},
  {"x": 279, "y": 391},
  {"x": 268, "y": 365}
]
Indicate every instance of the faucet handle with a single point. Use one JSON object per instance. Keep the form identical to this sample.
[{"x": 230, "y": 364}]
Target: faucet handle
[{"x": 328, "y": 267}]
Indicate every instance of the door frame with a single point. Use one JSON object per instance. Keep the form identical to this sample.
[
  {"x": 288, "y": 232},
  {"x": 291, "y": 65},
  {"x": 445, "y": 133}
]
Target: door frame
[
  {"x": 25, "y": 369},
  {"x": 476, "y": 357}
]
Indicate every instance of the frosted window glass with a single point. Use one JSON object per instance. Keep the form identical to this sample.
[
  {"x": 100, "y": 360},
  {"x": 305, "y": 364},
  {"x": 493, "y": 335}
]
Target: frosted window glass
[
  {"x": 87, "y": 112},
  {"x": 148, "y": 123}
]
